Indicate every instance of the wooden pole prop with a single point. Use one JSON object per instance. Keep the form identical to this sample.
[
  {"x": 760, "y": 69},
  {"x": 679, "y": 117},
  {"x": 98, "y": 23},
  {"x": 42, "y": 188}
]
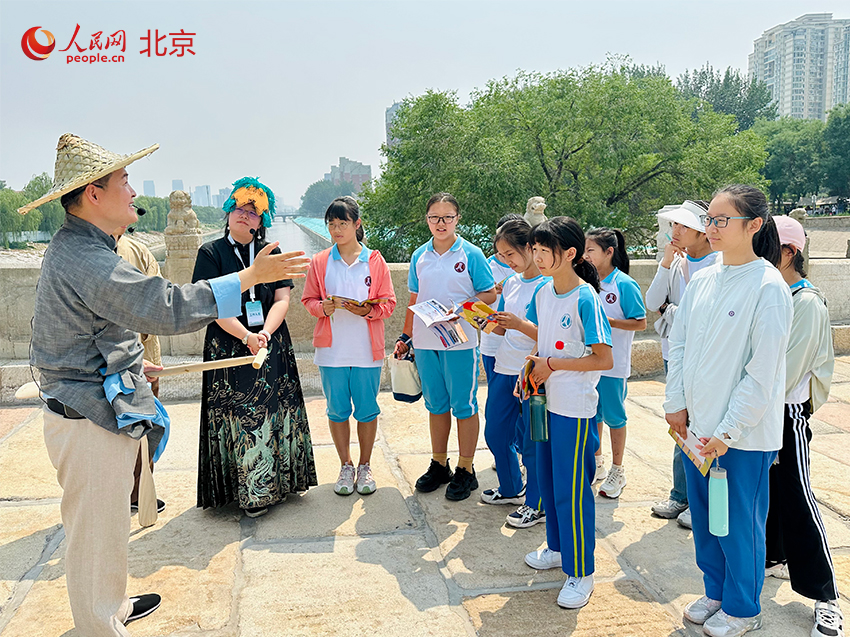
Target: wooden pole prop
[
  {"x": 147, "y": 490},
  {"x": 27, "y": 391},
  {"x": 260, "y": 358}
]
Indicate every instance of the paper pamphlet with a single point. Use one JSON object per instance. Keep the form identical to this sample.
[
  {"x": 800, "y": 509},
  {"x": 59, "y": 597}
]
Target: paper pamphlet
[
  {"x": 441, "y": 321},
  {"x": 689, "y": 448},
  {"x": 339, "y": 300},
  {"x": 479, "y": 315}
]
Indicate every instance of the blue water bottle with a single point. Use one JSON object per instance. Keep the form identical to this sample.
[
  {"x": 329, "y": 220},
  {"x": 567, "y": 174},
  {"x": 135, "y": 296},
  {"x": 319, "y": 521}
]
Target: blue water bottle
[{"x": 718, "y": 502}]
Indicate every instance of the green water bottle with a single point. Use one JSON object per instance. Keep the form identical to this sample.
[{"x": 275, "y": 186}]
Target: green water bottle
[
  {"x": 718, "y": 502},
  {"x": 539, "y": 415}
]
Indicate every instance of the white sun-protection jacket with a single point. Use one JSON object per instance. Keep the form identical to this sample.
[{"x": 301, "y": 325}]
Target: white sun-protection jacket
[
  {"x": 810, "y": 359},
  {"x": 727, "y": 355}
]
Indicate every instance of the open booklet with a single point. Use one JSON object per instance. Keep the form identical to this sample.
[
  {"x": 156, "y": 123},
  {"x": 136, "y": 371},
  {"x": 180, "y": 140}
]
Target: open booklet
[
  {"x": 689, "y": 448},
  {"x": 339, "y": 300},
  {"x": 441, "y": 321}
]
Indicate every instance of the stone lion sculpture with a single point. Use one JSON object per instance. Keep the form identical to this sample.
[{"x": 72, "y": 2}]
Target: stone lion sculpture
[
  {"x": 181, "y": 218},
  {"x": 534, "y": 211}
]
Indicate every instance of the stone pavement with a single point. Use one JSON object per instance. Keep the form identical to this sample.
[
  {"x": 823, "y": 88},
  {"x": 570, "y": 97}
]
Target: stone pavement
[{"x": 395, "y": 562}]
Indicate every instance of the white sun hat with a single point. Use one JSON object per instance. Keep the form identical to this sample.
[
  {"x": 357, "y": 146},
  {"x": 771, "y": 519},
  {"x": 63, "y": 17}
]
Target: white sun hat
[
  {"x": 688, "y": 214},
  {"x": 80, "y": 162}
]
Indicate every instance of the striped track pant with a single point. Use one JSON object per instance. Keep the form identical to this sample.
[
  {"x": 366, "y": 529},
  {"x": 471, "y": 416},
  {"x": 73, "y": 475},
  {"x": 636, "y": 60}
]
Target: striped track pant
[{"x": 795, "y": 530}]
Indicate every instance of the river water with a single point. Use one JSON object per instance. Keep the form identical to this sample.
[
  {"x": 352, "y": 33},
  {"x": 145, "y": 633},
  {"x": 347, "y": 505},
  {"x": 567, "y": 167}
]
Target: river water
[{"x": 292, "y": 237}]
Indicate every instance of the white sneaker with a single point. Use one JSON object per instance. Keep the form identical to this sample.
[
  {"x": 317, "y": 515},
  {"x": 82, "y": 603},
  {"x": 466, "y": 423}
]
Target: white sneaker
[
  {"x": 493, "y": 496},
  {"x": 614, "y": 483},
  {"x": 669, "y": 508},
  {"x": 701, "y": 609},
  {"x": 525, "y": 517},
  {"x": 829, "y": 621},
  {"x": 543, "y": 559},
  {"x": 365, "y": 481},
  {"x": 576, "y": 592},
  {"x": 345, "y": 482},
  {"x": 601, "y": 474},
  {"x": 779, "y": 571},
  {"x": 684, "y": 519},
  {"x": 722, "y": 625}
]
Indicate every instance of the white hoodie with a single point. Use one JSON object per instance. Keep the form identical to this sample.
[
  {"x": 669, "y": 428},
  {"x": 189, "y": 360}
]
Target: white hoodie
[{"x": 727, "y": 355}]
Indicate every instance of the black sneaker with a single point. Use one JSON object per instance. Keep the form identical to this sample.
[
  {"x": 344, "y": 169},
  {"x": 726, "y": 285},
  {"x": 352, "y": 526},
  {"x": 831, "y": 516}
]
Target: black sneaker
[
  {"x": 436, "y": 476},
  {"x": 160, "y": 506},
  {"x": 462, "y": 484},
  {"x": 143, "y": 605}
]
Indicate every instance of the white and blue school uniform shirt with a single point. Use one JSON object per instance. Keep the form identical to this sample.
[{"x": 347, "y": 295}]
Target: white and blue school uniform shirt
[
  {"x": 621, "y": 299},
  {"x": 490, "y": 343},
  {"x": 516, "y": 298},
  {"x": 351, "y": 345},
  {"x": 452, "y": 277},
  {"x": 562, "y": 321}
]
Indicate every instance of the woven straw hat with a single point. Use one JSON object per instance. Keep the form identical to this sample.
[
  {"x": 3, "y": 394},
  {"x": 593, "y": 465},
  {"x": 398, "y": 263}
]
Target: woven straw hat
[{"x": 80, "y": 162}]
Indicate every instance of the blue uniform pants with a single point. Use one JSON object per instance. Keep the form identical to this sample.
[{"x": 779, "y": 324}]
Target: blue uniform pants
[
  {"x": 502, "y": 415},
  {"x": 565, "y": 470},
  {"x": 733, "y": 566}
]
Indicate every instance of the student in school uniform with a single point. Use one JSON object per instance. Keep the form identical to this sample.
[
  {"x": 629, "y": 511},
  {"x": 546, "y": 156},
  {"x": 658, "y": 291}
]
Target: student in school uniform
[
  {"x": 797, "y": 548},
  {"x": 726, "y": 386},
  {"x": 490, "y": 342},
  {"x": 687, "y": 253},
  {"x": 623, "y": 303},
  {"x": 506, "y": 417},
  {"x": 450, "y": 270},
  {"x": 567, "y": 313},
  {"x": 349, "y": 339}
]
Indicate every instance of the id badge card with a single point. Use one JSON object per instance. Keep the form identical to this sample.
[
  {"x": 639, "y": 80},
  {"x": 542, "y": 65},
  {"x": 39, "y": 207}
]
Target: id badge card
[{"x": 254, "y": 310}]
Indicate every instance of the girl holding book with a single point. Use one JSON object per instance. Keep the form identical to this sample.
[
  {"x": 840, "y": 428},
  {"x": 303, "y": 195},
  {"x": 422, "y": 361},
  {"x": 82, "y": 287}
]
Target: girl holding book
[
  {"x": 348, "y": 288},
  {"x": 449, "y": 270},
  {"x": 623, "y": 303},
  {"x": 566, "y": 313},
  {"x": 506, "y": 416},
  {"x": 726, "y": 386}
]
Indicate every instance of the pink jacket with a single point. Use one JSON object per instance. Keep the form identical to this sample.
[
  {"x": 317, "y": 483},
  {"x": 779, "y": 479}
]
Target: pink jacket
[{"x": 381, "y": 288}]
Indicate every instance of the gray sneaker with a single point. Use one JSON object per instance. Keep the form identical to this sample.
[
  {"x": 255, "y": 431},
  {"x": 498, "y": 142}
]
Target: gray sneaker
[
  {"x": 829, "y": 622},
  {"x": 345, "y": 482},
  {"x": 684, "y": 519},
  {"x": 365, "y": 481},
  {"x": 669, "y": 509},
  {"x": 699, "y": 610},
  {"x": 722, "y": 625}
]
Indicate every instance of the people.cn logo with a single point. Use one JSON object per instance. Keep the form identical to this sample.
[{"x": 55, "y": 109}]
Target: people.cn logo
[{"x": 35, "y": 50}]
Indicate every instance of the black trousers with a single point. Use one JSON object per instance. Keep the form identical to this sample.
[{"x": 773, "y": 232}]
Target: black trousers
[{"x": 795, "y": 530}]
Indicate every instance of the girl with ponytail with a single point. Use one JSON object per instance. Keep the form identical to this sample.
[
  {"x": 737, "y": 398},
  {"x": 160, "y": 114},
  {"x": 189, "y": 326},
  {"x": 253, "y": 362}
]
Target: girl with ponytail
[
  {"x": 623, "y": 303},
  {"x": 566, "y": 319},
  {"x": 350, "y": 349},
  {"x": 726, "y": 387}
]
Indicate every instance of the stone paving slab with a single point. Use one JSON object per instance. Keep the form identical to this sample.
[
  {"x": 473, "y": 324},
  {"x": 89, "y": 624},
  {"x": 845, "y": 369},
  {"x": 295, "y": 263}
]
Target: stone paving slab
[
  {"x": 322, "y": 513},
  {"x": 622, "y": 608},
  {"x": 348, "y": 587},
  {"x": 25, "y": 469}
]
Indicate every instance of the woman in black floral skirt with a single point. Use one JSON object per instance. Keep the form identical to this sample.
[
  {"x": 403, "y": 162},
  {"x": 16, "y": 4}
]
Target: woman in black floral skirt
[{"x": 255, "y": 444}]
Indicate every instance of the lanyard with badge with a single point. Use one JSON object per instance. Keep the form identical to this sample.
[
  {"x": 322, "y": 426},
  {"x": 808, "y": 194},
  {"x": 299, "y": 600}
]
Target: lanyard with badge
[{"x": 253, "y": 308}]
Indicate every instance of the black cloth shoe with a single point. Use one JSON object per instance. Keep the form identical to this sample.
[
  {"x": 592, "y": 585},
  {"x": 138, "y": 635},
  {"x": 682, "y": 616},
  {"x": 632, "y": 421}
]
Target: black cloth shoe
[
  {"x": 143, "y": 605},
  {"x": 462, "y": 484},
  {"x": 436, "y": 476},
  {"x": 160, "y": 506}
]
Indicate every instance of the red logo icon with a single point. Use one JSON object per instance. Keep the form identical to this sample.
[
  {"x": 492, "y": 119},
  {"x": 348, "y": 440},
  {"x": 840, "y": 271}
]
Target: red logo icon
[
  {"x": 33, "y": 49},
  {"x": 460, "y": 266},
  {"x": 611, "y": 297},
  {"x": 368, "y": 281}
]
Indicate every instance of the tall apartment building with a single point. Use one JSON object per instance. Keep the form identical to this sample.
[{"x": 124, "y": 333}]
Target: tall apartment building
[
  {"x": 389, "y": 119},
  {"x": 149, "y": 189},
  {"x": 351, "y": 171},
  {"x": 176, "y": 184},
  {"x": 805, "y": 64},
  {"x": 201, "y": 196}
]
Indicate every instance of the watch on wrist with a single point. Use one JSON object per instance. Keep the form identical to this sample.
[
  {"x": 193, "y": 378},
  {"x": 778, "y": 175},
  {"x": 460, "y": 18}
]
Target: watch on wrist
[{"x": 245, "y": 338}]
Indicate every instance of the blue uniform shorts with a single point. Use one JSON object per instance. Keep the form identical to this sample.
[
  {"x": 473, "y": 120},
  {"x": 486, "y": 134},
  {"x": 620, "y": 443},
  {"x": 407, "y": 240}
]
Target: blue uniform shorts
[
  {"x": 449, "y": 381},
  {"x": 612, "y": 401},
  {"x": 344, "y": 385}
]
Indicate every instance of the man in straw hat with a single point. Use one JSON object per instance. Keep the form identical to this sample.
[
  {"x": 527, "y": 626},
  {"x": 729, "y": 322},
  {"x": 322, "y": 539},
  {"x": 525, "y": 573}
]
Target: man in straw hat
[{"x": 90, "y": 308}]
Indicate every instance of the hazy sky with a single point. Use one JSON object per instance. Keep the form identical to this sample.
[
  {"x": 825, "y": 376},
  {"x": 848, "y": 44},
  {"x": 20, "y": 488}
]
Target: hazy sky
[{"x": 281, "y": 90}]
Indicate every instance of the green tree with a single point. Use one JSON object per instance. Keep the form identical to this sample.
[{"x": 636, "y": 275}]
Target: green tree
[
  {"x": 602, "y": 144},
  {"x": 836, "y": 136},
  {"x": 12, "y": 222},
  {"x": 796, "y": 151},
  {"x": 52, "y": 214},
  {"x": 319, "y": 196},
  {"x": 156, "y": 214},
  {"x": 729, "y": 92}
]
